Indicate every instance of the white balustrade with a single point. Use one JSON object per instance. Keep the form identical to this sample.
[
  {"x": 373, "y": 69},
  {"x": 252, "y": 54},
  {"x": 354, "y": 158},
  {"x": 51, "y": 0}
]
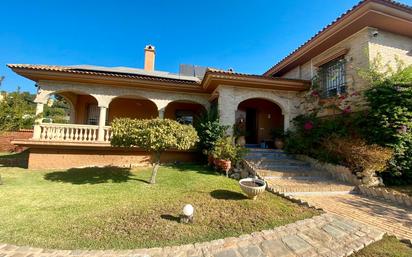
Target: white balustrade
[{"x": 72, "y": 132}]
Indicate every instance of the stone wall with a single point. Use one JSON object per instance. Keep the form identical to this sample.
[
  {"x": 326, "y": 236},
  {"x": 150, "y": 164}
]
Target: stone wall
[
  {"x": 387, "y": 195},
  {"x": 337, "y": 172},
  {"x": 7, "y": 137},
  {"x": 390, "y": 46}
]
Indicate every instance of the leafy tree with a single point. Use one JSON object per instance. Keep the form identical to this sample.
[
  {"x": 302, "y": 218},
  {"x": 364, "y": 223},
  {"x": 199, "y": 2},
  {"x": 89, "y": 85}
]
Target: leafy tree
[
  {"x": 17, "y": 110},
  {"x": 155, "y": 136},
  {"x": 57, "y": 111}
]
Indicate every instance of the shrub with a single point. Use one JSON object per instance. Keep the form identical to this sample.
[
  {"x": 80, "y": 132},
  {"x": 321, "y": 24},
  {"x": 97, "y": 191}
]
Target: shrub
[
  {"x": 209, "y": 130},
  {"x": 155, "y": 136},
  {"x": 225, "y": 149},
  {"x": 389, "y": 120},
  {"x": 359, "y": 156}
]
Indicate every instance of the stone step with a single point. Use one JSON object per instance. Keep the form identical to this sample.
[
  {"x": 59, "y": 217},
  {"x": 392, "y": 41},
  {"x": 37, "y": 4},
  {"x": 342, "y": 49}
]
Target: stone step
[
  {"x": 281, "y": 167},
  {"x": 264, "y": 150},
  {"x": 309, "y": 184},
  {"x": 280, "y": 162},
  {"x": 292, "y": 173},
  {"x": 271, "y": 156}
]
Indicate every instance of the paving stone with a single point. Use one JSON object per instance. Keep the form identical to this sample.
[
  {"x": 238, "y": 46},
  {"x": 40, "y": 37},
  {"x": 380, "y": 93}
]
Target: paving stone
[
  {"x": 227, "y": 253},
  {"x": 333, "y": 231},
  {"x": 318, "y": 235},
  {"x": 251, "y": 251},
  {"x": 276, "y": 248},
  {"x": 296, "y": 243}
]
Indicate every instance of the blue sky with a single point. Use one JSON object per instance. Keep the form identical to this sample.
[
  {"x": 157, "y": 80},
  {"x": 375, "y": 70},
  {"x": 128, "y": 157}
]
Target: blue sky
[{"x": 248, "y": 36}]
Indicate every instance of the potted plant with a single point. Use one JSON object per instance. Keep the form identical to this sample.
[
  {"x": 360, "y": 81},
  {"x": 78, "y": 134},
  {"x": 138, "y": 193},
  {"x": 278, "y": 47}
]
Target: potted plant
[
  {"x": 239, "y": 131},
  {"x": 278, "y": 136},
  {"x": 224, "y": 152}
]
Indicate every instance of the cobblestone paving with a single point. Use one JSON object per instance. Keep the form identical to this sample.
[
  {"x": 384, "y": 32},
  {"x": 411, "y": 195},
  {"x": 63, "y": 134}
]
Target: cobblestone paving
[
  {"x": 324, "y": 235},
  {"x": 395, "y": 220}
]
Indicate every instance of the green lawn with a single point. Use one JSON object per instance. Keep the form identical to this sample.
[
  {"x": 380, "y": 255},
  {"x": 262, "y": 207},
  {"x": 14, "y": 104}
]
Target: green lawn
[
  {"x": 105, "y": 208},
  {"x": 389, "y": 246}
]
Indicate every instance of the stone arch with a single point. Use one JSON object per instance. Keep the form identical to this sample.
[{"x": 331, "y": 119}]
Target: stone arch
[
  {"x": 264, "y": 95},
  {"x": 185, "y": 111},
  {"x": 259, "y": 117},
  {"x": 282, "y": 102},
  {"x": 71, "y": 96},
  {"x": 132, "y": 106}
]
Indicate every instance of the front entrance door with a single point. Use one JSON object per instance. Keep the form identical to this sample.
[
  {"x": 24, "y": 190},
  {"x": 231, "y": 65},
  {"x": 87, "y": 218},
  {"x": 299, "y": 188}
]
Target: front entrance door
[{"x": 251, "y": 126}]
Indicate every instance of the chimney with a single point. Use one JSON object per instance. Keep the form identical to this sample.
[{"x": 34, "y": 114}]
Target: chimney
[{"x": 149, "y": 58}]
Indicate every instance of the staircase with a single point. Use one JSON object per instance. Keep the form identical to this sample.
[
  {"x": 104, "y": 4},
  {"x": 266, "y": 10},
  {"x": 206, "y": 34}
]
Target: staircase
[{"x": 286, "y": 175}]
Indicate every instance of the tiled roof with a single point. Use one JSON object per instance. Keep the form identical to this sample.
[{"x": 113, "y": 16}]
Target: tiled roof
[
  {"x": 387, "y": 2},
  {"x": 223, "y": 72},
  {"x": 119, "y": 72}
]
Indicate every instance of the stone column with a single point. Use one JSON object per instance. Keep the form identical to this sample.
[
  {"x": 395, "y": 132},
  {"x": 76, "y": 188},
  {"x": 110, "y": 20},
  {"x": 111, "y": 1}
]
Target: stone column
[
  {"x": 286, "y": 121},
  {"x": 227, "y": 107},
  {"x": 38, "y": 121},
  {"x": 162, "y": 113},
  {"x": 102, "y": 123}
]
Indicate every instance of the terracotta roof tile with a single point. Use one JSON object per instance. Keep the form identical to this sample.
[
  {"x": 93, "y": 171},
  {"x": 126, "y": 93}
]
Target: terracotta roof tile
[{"x": 77, "y": 70}]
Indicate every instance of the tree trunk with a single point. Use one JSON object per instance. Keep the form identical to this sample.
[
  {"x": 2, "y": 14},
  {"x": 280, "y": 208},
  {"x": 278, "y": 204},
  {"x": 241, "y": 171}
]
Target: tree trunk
[{"x": 155, "y": 168}]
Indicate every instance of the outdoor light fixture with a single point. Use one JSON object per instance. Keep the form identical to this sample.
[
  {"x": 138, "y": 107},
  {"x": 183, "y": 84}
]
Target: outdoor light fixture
[{"x": 187, "y": 216}]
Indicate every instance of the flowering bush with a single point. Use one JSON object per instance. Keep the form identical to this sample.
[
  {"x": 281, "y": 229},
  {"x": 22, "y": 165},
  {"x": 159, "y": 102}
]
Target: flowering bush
[{"x": 390, "y": 116}]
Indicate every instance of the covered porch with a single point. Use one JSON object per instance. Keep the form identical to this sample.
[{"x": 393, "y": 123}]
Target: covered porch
[{"x": 89, "y": 121}]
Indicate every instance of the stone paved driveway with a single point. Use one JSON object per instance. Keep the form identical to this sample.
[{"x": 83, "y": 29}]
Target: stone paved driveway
[{"x": 395, "y": 220}]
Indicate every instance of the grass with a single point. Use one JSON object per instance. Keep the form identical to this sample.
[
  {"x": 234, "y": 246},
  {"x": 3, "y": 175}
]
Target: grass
[
  {"x": 115, "y": 208},
  {"x": 407, "y": 189},
  {"x": 389, "y": 246}
]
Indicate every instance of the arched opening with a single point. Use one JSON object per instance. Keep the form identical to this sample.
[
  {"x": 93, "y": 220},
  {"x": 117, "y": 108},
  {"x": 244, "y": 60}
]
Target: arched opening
[
  {"x": 132, "y": 107},
  {"x": 184, "y": 111},
  {"x": 71, "y": 107},
  {"x": 260, "y": 118}
]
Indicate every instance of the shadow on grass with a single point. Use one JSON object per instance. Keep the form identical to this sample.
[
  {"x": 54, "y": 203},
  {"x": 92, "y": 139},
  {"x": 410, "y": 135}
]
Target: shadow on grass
[
  {"x": 227, "y": 195},
  {"x": 93, "y": 175},
  {"x": 170, "y": 217},
  {"x": 198, "y": 168},
  {"x": 19, "y": 160}
]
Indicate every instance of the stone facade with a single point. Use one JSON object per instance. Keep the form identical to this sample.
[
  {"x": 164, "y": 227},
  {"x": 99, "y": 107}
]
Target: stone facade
[{"x": 390, "y": 46}]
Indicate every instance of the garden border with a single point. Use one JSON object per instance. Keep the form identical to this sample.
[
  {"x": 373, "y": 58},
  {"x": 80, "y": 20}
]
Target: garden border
[
  {"x": 338, "y": 172},
  {"x": 387, "y": 195}
]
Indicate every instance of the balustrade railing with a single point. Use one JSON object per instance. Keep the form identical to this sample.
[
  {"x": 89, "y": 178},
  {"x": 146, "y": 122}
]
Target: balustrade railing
[{"x": 73, "y": 133}]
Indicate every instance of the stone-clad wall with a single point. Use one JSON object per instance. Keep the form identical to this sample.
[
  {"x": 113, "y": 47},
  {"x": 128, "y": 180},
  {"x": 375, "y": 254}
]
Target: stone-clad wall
[
  {"x": 230, "y": 97},
  {"x": 390, "y": 46}
]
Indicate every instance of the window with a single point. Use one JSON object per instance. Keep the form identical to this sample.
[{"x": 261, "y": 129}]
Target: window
[
  {"x": 184, "y": 117},
  {"x": 332, "y": 78},
  {"x": 92, "y": 114}
]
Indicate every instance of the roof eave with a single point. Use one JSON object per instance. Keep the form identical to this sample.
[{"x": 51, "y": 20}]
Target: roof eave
[
  {"x": 44, "y": 75},
  {"x": 359, "y": 14}
]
